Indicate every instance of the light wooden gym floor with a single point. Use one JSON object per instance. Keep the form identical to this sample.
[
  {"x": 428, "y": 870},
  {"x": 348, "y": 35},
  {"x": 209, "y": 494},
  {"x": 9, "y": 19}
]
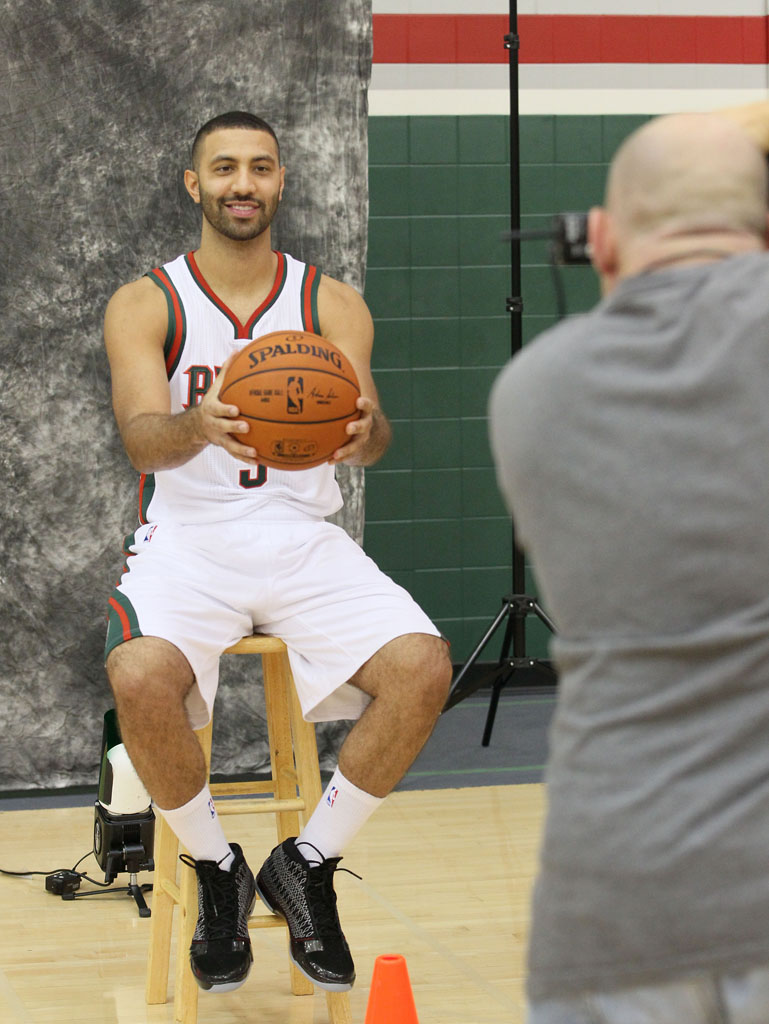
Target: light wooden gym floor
[{"x": 446, "y": 881}]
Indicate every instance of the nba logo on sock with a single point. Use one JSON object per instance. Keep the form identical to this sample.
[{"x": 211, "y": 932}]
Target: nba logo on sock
[
  {"x": 333, "y": 793},
  {"x": 211, "y": 808}
]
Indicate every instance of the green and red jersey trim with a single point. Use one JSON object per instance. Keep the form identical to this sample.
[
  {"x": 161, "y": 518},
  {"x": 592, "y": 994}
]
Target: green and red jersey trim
[
  {"x": 242, "y": 330},
  {"x": 310, "y": 283},
  {"x": 176, "y": 332},
  {"x": 146, "y": 490},
  {"x": 122, "y": 622}
]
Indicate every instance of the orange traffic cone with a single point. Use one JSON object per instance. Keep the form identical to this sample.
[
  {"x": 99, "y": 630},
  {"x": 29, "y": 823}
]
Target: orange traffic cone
[{"x": 390, "y": 1000}]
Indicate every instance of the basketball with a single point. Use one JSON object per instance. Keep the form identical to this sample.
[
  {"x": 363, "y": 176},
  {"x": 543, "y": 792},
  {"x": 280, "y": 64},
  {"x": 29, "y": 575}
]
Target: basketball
[{"x": 297, "y": 392}]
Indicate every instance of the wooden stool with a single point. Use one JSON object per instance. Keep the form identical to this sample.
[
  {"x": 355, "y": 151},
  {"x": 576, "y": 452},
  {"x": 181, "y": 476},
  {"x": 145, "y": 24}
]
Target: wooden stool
[{"x": 295, "y": 787}]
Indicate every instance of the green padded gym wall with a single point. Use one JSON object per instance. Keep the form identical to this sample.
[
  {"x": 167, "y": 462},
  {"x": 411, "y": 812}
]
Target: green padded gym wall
[{"x": 438, "y": 274}]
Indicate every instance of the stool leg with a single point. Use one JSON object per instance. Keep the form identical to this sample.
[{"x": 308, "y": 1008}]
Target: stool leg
[
  {"x": 338, "y": 1007},
  {"x": 306, "y": 755},
  {"x": 161, "y": 922},
  {"x": 308, "y": 775},
  {"x": 185, "y": 986},
  {"x": 277, "y": 689}
]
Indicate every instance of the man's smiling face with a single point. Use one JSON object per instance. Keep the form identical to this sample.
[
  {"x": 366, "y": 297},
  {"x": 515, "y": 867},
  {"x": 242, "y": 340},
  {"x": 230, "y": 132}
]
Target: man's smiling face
[{"x": 239, "y": 182}]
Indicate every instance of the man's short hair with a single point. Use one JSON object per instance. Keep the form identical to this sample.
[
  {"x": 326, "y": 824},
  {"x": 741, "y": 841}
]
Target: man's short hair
[{"x": 232, "y": 119}]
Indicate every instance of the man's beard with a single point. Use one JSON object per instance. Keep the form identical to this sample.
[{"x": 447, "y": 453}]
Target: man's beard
[{"x": 216, "y": 213}]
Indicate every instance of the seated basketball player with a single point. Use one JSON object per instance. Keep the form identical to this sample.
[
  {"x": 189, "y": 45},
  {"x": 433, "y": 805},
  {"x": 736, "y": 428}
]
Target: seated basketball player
[{"x": 226, "y": 547}]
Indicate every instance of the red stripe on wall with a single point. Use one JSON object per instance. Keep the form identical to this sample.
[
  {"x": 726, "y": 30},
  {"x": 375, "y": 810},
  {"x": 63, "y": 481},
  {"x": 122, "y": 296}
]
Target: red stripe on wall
[{"x": 571, "y": 39}]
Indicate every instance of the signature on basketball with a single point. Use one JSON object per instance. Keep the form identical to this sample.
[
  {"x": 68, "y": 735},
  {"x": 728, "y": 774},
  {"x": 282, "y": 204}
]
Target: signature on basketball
[{"x": 322, "y": 396}]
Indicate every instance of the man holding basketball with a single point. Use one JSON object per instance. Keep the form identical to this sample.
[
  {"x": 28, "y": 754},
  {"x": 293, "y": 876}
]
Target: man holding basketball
[{"x": 226, "y": 546}]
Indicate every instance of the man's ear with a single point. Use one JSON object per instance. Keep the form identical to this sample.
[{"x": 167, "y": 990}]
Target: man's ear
[
  {"x": 192, "y": 184},
  {"x": 602, "y": 240}
]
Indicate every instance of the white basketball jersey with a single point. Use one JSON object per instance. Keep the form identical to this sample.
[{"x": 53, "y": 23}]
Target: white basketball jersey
[{"x": 202, "y": 333}]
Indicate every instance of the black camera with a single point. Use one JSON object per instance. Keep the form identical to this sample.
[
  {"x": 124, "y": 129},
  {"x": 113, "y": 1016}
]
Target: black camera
[
  {"x": 567, "y": 234},
  {"x": 570, "y": 245}
]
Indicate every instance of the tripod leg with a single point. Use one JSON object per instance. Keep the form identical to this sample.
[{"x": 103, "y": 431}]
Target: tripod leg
[
  {"x": 459, "y": 690},
  {"x": 542, "y": 616},
  {"x": 492, "y": 712},
  {"x": 482, "y": 643}
]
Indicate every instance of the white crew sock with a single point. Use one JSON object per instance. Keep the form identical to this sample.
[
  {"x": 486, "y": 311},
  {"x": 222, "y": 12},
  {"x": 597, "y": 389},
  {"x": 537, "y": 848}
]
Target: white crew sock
[
  {"x": 196, "y": 825},
  {"x": 341, "y": 813}
]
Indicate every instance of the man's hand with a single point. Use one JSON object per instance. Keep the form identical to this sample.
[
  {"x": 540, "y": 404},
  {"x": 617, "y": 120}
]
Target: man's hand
[
  {"x": 218, "y": 422},
  {"x": 369, "y": 436}
]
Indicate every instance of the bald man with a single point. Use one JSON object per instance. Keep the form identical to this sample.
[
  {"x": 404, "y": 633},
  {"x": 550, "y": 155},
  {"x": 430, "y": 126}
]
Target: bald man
[{"x": 632, "y": 448}]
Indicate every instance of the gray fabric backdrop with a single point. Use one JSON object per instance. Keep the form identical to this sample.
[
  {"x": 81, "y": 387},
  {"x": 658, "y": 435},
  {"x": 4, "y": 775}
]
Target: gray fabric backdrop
[{"x": 99, "y": 100}]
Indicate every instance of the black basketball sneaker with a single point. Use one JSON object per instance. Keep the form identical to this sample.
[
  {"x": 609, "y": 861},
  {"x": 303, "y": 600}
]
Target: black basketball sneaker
[
  {"x": 220, "y": 954},
  {"x": 302, "y": 892}
]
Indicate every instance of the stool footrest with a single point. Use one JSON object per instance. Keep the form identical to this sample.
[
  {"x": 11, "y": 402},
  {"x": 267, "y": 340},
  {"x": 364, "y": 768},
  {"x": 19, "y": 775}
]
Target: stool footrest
[
  {"x": 171, "y": 888},
  {"x": 235, "y": 788},
  {"x": 261, "y": 806},
  {"x": 266, "y": 921}
]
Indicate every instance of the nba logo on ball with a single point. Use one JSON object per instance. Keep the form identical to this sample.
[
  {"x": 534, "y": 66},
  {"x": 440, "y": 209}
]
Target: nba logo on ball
[
  {"x": 294, "y": 388},
  {"x": 333, "y": 793}
]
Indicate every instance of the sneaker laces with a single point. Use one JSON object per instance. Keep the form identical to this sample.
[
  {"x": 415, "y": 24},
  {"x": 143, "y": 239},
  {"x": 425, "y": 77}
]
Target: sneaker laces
[
  {"x": 219, "y": 893},
  {"x": 320, "y": 890}
]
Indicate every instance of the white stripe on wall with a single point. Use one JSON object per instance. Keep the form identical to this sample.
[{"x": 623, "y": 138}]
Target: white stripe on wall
[
  {"x": 427, "y": 89},
  {"x": 718, "y": 8},
  {"x": 701, "y": 8},
  {"x": 570, "y": 76},
  {"x": 428, "y": 102},
  {"x": 642, "y": 76},
  {"x": 440, "y": 76},
  {"x": 446, "y": 7},
  {"x": 455, "y": 102},
  {"x": 632, "y": 101}
]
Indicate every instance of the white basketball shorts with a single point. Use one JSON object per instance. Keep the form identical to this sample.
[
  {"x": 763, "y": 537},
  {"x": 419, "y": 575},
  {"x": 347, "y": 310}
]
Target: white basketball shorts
[{"x": 202, "y": 588}]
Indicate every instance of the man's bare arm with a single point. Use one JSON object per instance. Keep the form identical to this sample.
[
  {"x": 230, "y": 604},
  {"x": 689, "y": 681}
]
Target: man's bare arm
[
  {"x": 345, "y": 320},
  {"x": 135, "y": 326}
]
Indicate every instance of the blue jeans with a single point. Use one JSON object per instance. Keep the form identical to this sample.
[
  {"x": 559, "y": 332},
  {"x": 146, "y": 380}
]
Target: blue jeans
[{"x": 697, "y": 999}]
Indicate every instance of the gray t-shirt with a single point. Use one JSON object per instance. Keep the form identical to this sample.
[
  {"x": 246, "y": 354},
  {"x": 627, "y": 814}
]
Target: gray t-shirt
[{"x": 632, "y": 447}]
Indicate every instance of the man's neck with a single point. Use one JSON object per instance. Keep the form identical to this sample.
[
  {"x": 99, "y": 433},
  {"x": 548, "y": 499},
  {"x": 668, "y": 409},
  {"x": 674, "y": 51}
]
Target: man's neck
[
  {"x": 234, "y": 267},
  {"x": 710, "y": 247},
  {"x": 687, "y": 250}
]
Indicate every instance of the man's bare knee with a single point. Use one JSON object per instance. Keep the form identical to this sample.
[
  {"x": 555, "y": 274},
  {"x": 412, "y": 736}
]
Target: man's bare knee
[
  {"x": 414, "y": 668},
  {"x": 433, "y": 675},
  {"x": 148, "y": 668}
]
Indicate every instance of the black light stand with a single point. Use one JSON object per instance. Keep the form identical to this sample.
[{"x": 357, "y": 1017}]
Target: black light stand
[{"x": 517, "y": 605}]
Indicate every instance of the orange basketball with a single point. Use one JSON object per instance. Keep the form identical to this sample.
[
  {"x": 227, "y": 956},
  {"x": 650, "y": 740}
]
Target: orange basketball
[{"x": 297, "y": 392}]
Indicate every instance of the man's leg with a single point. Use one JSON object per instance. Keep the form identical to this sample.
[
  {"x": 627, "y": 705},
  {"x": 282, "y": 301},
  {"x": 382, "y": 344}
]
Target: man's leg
[
  {"x": 150, "y": 679},
  {"x": 408, "y": 680}
]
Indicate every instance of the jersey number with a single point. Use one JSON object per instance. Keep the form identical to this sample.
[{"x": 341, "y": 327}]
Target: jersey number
[
  {"x": 199, "y": 381},
  {"x": 246, "y": 480}
]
